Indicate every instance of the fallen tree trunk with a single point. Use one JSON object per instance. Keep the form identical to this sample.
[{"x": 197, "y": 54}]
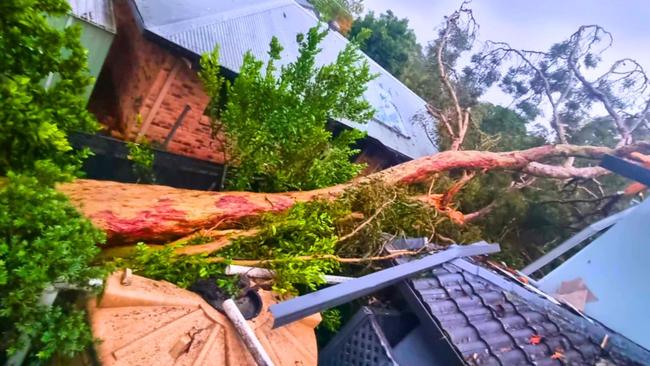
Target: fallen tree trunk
[{"x": 154, "y": 214}]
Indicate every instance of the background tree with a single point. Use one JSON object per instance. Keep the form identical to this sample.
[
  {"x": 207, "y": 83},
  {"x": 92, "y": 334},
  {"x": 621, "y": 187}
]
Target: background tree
[
  {"x": 562, "y": 88},
  {"x": 43, "y": 239},
  {"x": 558, "y": 81},
  {"x": 530, "y": 208},
  {"x": 390, "y": 43},
  {"x": 342, "y": 12},
  {"x": 276, "y": 120}
]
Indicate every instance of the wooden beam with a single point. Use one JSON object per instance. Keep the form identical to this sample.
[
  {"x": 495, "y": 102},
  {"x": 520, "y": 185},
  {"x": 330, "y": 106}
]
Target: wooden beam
[{"x": 159, "y": 99}]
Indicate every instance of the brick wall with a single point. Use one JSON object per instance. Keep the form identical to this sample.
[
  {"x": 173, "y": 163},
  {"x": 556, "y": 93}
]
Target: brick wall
[{"x": 153, "y": 86}]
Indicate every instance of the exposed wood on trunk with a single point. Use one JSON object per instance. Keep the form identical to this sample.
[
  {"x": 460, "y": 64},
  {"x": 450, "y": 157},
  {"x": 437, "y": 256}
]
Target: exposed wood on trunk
[{"x": 129, "y": 213}]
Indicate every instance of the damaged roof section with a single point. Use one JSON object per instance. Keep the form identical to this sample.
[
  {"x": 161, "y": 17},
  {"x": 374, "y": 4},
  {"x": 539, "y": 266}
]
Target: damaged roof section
[
  {"x": 491, "y": 320},
  {"x": 197, "y": 26}
]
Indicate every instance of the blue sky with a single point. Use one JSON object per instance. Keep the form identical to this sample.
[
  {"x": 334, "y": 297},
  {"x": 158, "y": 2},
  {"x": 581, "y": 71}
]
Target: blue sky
[{"x": 536, "y": 24}]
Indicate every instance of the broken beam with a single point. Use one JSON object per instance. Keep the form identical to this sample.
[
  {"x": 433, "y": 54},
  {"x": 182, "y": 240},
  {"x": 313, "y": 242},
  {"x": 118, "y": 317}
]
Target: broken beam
[{"x": 317, "y": 301}]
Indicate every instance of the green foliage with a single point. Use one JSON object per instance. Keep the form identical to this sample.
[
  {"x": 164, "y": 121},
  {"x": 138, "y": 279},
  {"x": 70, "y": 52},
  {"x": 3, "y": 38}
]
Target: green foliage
[
  {"x": 276, "y": 119},
  {"x": 35, "y": 119},
  {"x": 165, "y": 264},
  {"x": 341, "y": 11},
  {"x": 142, "y": 156},
  {"x": 400, "y": 216},
  {"x": 390, "y": 43},
  {"x": 43, "y": 240},
  {"x": 331, "y": 320},
  {"x": 306, "y": 229},
  {"x": 62, "y": 331},
  {"x": 497, "y": 128},
  {"x": 317, "y": 229}
]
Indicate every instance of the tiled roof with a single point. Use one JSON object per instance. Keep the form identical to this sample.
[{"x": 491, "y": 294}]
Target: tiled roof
[
  {"x": 238, "y": 26},
  {"x": 493, "y": 321}
]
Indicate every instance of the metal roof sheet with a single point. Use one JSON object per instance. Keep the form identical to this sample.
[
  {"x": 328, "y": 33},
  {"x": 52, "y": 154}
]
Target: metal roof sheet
[
  {"x": 97, "y": 12},
  {"x": 615, "y": 268},
  {"x": 238, "y": 26}
]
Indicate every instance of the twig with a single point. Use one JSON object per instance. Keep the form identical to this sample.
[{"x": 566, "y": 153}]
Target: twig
[
  {"x": 593, "y": 200},
  {"x": 215, "y": 245},
  {"x": 365, "y": 223},
  {"x": 258, "y": 262}
]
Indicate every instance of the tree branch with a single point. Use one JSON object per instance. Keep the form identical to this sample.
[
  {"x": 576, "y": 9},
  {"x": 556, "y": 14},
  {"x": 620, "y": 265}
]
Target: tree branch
[{"x": 129, "y": 213}]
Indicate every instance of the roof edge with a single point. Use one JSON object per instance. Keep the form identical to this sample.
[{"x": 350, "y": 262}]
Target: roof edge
[
  {"x": 191, "y": 23},
  {"x": 617, "y": 342}
]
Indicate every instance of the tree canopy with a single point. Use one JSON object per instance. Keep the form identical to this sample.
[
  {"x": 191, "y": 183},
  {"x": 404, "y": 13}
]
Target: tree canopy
[{"x": 391, "y": 42}]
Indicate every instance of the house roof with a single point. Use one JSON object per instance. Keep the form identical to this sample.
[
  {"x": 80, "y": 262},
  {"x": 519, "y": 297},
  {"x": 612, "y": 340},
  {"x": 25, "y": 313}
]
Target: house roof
[
  {"x": 491, "y": 320},
  {"x": 237, "y": 26},
  {"x": 97, "y": 12}
]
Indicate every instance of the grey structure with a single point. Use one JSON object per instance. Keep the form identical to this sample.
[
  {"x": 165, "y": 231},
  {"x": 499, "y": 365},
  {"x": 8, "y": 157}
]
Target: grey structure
[
  {"x": 194, "y": 27},
  {"x": 487, "y": 319},
  {"x": 317, "y": 301},
  {"x": 575, "y": 240},
  {"x": 490, "y": 325},
  {"x": 361, "y": 341},
  {"x": 383, "y": 337},
  {"x": 614, "y": 267}
]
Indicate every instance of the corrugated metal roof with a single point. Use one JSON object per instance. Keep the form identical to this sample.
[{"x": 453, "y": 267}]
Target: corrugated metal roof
[
  {"x": 97, "y": 12},
  {"x": 491, "y": 321},
  {"x": 238, "y": 26}
]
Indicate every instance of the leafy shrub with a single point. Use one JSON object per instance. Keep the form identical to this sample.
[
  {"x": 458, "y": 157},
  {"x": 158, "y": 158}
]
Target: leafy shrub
[
  {"x": 35, "y": 117},
  {"x": 142, "y": 156},
  {"x": 43, "y": 240},
  {"x": 165, "y": 264},
  {"x": 306, "y": 229},
  {"x": 276, "y": 119},
  {"x": 331, "y": 320}
]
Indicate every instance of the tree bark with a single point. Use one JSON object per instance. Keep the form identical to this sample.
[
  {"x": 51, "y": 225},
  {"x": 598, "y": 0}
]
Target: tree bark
[{"x": 129, "y": 213}]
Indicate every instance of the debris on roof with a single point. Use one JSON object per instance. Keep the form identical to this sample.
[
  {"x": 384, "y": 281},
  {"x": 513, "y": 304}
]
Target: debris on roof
[
  {"x": 323, "y": 299},
  {"x": 196, "y": 26},
  {"x": 576, "y": 293},
  {"x": 492, "y": 320},
  {"x": 145, "y": 322}
]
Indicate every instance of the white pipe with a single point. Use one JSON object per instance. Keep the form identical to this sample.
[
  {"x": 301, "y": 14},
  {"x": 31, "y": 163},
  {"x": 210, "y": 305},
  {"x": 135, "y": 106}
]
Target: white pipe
[
  {"x": 257, "y": 272},
  {"x": 247, "y": 334}
]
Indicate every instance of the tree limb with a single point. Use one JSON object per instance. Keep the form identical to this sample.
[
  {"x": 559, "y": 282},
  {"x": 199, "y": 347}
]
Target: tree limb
[{"x": 129, "y": 213}]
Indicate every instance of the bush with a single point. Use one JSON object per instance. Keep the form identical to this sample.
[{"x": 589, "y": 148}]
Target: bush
[
  {"x": 276, "y": 119},
  {"x": 43, "y": 239}
]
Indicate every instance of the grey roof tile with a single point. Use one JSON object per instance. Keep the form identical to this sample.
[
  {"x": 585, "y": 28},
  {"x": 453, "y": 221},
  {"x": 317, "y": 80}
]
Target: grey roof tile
[{"x": 490, "y": 322}]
